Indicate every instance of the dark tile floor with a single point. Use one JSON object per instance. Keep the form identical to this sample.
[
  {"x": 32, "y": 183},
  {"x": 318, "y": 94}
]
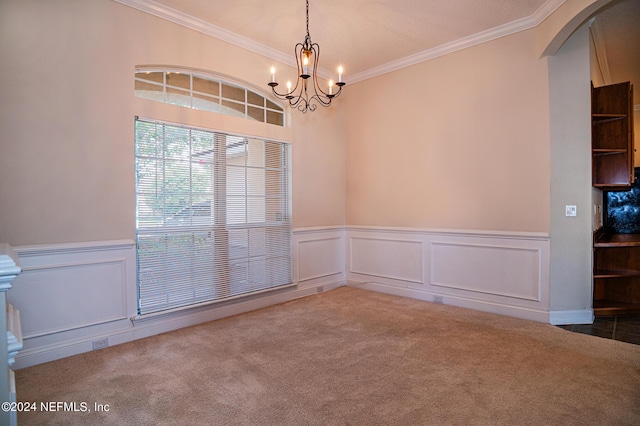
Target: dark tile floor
[{"x": 623, "y": 328}]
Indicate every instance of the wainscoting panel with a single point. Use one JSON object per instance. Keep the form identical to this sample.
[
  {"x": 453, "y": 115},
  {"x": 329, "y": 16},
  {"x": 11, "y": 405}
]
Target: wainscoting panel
[
  {"x": 59, "y": 298},
  {"x": 318, "y": 255},
  {"x": 69, "y": 287},
  {"x": 500, "y": 272},
  {"x": 392, "y": 258}
]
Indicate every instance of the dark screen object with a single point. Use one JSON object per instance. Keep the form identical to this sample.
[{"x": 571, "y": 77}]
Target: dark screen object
[{"x": 623, "y": 209}]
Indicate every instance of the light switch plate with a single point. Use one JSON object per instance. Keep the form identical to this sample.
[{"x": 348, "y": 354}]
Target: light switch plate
[{"x": 571, "y": 211}]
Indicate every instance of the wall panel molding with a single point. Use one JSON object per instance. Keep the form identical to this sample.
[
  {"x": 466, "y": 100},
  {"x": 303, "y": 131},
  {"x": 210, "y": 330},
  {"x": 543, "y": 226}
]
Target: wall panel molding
[
  {"x": 482, "y": 268},
  {"x": 318, "y": 254},
  {"x": 67, "y": 287},
  {"x": 393, "y": 258},
  {"x": 494, "y": 271},
  {"x": 94, "y": 291}
]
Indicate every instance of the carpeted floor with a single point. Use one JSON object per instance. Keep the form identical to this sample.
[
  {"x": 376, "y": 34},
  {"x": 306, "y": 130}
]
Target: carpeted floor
[{"x": 348, "y": 357}]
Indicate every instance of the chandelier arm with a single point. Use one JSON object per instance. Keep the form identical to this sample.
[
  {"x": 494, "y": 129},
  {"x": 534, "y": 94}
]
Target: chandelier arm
[
  {"x": 298, "y": 53},
  {"x": 300, "y": 100},
  {"x": 292, "y": 99},
  {"x": 306, "y": 106},
  {"x": 323, "y": 97},
  {"x": 304, "y": 97},
  {"x": 318, "y": 99},
  {"x": 316, "y": 53}
]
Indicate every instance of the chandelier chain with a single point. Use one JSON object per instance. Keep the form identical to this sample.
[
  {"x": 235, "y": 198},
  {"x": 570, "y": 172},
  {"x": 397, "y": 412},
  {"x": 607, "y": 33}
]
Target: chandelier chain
[{"x": 308, "y": 19}]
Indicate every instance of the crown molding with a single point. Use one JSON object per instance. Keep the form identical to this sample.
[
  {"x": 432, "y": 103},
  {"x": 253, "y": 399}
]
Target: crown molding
[
  {"x": 177, "y": 17},
  {"x": 546, "y": 10},
  {"x": 494, "y": 33},
  {"x": 181, "y": 18}
]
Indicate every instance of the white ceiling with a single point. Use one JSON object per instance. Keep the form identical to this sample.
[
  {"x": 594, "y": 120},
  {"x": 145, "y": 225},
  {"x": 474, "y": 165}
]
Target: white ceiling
[{"x": 370, "y": 37}]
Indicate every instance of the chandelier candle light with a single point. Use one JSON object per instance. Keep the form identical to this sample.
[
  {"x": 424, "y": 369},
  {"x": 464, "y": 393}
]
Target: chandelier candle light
[{"x": 307, "y": 54}]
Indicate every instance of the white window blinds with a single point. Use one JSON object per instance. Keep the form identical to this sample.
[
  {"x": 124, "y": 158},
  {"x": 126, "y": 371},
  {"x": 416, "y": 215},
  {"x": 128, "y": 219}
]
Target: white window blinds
[{"x": 212, "y": 216}]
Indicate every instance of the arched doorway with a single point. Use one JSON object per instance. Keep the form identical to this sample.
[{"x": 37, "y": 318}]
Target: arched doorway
[{"x": 565, "y": 43}]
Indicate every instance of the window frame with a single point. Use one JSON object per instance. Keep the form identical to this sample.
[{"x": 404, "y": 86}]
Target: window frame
[
  {"x": 225, "y": 104},
  {"x": 220, "y": 226}
]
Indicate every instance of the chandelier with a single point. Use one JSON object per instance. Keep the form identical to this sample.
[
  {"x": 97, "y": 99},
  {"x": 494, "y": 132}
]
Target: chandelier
[{"x": 306, "y": 94}]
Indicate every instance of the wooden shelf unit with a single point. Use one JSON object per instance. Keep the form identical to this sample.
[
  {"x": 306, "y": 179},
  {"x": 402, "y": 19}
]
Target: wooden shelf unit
[
  {"x": 612, "y": 136},
  {"x": 616, "y": 274},
  {"x": 616, "y": 257}
]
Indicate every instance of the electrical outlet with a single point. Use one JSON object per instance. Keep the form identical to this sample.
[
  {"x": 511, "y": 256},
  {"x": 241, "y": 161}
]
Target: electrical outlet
[
  {"x": 100, "y": 344},
  {"x": 438, "y": 299},
  {"x": 571, "y": 211}
]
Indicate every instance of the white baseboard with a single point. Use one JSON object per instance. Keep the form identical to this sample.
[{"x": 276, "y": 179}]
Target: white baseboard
[
  {"x": 533, "y": 314},
  {"x": 582, "y": 316}
]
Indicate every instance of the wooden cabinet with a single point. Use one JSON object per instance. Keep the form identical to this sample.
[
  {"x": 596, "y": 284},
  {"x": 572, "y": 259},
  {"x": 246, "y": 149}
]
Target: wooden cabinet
[
  {"x": 612, "y": 136},
  {"x": 616, "y": 274}
]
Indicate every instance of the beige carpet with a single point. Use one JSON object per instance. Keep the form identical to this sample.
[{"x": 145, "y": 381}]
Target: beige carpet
[{"x": 348, "y": 357}]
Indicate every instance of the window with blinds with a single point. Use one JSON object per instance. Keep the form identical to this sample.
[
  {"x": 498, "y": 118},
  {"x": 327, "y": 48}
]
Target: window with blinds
[{"x": 212, "y": 216}]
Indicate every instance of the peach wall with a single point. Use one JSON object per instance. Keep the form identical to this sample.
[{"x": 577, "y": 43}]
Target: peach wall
[
  {"x": 461, "y": 141},
  {"x": 320, "y": 168},
  {"x": 67, "y": 114}
]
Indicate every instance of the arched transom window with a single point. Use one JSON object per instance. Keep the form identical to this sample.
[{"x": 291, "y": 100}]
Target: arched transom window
[{"x": 198, "y": 91}]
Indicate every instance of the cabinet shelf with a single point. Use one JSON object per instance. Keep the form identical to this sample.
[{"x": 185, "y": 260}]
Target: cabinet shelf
[
  {"x": 615, "y": 273},
  {"x": 611, "y": 187},
  {"x": 606, "y": 151},
  {"x": 614, "y": 307},
  {"x": 617, "y": 240},
  {"x": 600, "y": 118}
]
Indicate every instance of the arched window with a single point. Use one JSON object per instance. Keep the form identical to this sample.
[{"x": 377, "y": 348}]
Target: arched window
[{"x": 199, "y": 91}]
